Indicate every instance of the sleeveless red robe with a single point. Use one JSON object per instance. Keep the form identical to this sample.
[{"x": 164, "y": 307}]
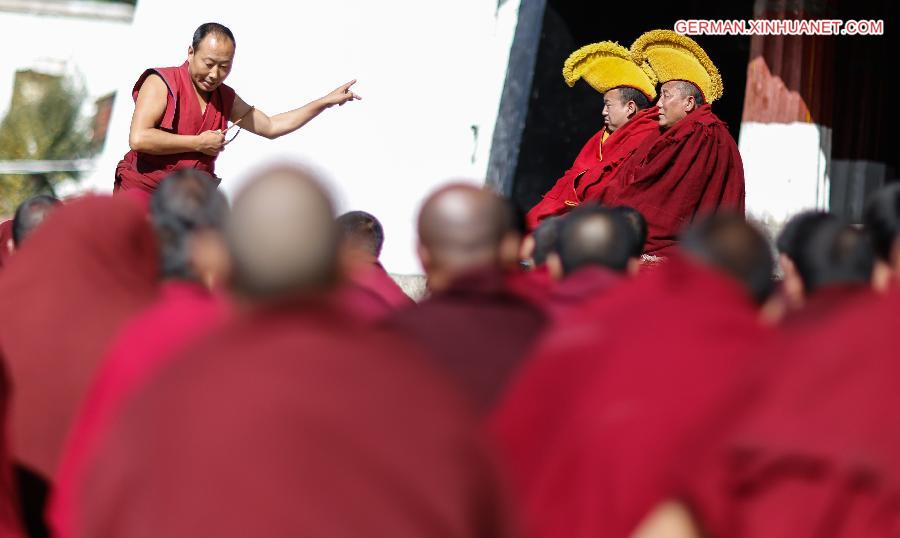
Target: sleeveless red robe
[{"x": 139, "y": 173}]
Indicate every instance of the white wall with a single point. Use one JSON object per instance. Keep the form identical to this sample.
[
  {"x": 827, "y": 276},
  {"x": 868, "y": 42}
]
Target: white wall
[
  {"x": 785, "y": 169},
  {"x": 428, "y": 70}
]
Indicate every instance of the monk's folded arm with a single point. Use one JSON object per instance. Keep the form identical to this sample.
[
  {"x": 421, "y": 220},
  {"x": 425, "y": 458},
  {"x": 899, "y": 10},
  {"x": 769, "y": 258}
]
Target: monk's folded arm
[{"x": 144, "y": 136}]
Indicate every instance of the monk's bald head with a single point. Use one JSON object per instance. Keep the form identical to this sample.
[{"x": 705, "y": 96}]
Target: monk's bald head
[
  {"x": 732, "y": 245},
  {"x": 282, "y": 235},
  {"x": 30, "y": 214},
  {"x": 463, "y": 227},
  {"x": 595, "y": 236}
]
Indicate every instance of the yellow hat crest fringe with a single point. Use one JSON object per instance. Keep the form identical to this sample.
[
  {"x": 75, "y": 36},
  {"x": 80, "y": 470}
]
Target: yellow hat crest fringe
[
  {"x": 608, "y": 65},
  {"x": 677, "y": 57}
]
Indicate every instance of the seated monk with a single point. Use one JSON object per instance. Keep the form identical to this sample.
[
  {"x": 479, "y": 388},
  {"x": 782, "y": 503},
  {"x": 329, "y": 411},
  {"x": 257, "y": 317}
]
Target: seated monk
[
  {"x": 605, "y": 413},
  {"x": 531, "y": 278},
  {"x": 693, "y": 168},
  {"x": 188, "y": 213},
  {"x": 882, "y": 219},
  {"x": 628, "y": 90},
  {"x": 29, "y": 215},
  {"x": 87, "y": 269},
  {"x": 595, "y": 252},
  {"x": 368, "y": 290},
  {"x": 477, "y": 326},
  {"x": 290, "y": 420},
  {"x": 816, "y": 454}
]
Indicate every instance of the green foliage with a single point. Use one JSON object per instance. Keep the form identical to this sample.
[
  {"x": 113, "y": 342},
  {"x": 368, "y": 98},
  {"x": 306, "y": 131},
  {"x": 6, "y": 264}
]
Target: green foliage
[{"x": 43, "y": 123}]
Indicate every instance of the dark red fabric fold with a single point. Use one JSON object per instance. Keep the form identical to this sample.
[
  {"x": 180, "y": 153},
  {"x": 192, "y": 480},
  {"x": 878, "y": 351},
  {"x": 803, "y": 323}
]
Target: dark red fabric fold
[
  {"x": 817, "y": 453},
  {"x": 291, "y": 422},
  {"x": 371, "y": 294},
  {"x": 184, "y": 312},
  {"x": 602, "y": 419},
  {"x": 478, "y": 331},
  {"x": 535, "y": 285},
  {"x": 580, "y": 287},
  {"x": 89, "y": 267},
  {"x": 9, "y": 517}
]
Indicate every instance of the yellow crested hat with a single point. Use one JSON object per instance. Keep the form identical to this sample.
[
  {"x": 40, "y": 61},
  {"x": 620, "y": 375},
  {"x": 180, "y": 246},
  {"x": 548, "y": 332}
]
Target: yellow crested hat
[
  {"x": 607, "y": 65},
  {"x": 677, "y": 57}
]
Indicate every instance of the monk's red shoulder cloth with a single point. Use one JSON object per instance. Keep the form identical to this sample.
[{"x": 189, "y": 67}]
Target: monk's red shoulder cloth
[
  {"x": 692, "y": 168},
  {"x": 596, "y": 161},
  {"x": 183, "y": 116}
]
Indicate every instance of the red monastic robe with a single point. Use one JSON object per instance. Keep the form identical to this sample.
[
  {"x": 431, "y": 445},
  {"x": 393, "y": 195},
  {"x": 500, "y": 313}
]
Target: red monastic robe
[
  {"x": 817, "y": 453},
  {"x": 535, "y": 285},
  {"x": 371, "y": 295},
  {"x": 581, "y": 286},
  {"x": 692, "y": 169},
  {"x": 138, "y": 174},
  {"x": 10, "y": 526},
  {"x": 184, "y": 313},
  {"x": 478, "y": 331},
  {"x": 602, "y": 154},
  {"x": 618, "y": 397},
  {"x": 89, "y": 267},
  {"x": 293, "y": 421}
]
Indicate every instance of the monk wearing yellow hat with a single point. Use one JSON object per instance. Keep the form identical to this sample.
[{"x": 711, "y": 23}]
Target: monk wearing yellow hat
[
  {"x": 693, "y": 167},
  {"x": 628, "y": 90}
]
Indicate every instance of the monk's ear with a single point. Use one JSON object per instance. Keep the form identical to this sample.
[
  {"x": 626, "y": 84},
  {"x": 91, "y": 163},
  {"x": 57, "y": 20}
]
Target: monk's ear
[
  {"x": 882, "y": 276},
  {"x": 791, "y": 283},
  {"x": 510, "y": 246},
  {"x": 554, "y": 266},
  {"x": 690, "y": 103},
  {"x": 526, "y": 249},
  {"x": 895, "y": 258},
  {"x": 210, "y": 258},
  {"x": 424, "y": 256},
  {"x": 190, "y": 52},
  {"x": 632, "y": 109},
  {"x": 633, "y": 267}
]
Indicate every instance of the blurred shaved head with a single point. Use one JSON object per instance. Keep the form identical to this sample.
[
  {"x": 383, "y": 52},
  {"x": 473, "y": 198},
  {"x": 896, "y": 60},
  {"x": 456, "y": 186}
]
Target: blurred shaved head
[
  {"x": 30, "y": 214},
  {"x": 282, "y": 235},
  {"x": 729, "y": 243},
  {"x": 462, "y": 228},
  {"x": 595, "y": 236},
  {"x": 186, "y": 203}
]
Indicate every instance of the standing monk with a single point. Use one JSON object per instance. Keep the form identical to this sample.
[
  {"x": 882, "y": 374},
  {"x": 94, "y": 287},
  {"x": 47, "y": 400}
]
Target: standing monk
[
  {"x": 693, "y": 167},
  {"x": 628, "y": 89},
  {"x": 181, "y": 114}
]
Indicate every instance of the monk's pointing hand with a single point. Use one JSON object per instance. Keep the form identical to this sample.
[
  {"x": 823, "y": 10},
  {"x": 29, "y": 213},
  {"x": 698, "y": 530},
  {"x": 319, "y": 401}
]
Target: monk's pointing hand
[
  {"x": 211, "y": 142},
  {"x": 341, "y": 95}
]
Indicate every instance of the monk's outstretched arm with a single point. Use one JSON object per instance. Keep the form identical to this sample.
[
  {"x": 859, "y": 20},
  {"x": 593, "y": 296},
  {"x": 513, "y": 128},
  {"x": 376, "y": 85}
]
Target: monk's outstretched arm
[
  {"x": 287, "y": 122},
  {"x": 145, "y": 137}
]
